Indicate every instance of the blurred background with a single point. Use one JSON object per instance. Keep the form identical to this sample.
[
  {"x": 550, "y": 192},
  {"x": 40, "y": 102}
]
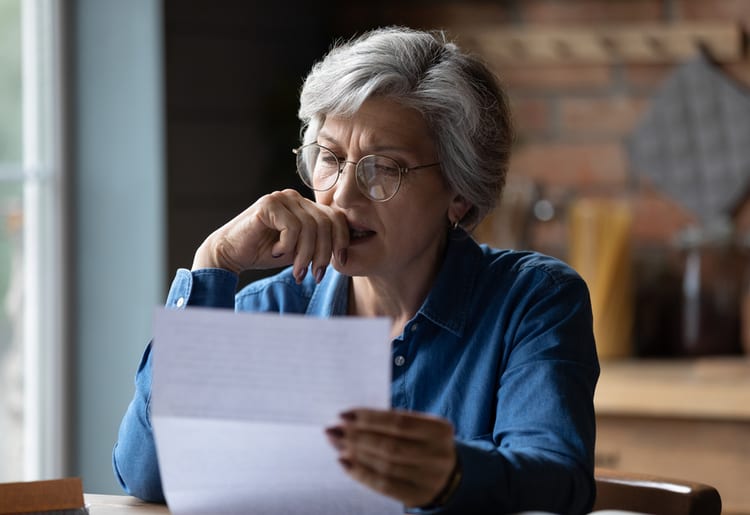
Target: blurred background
[{"x": 129, "y": 130}]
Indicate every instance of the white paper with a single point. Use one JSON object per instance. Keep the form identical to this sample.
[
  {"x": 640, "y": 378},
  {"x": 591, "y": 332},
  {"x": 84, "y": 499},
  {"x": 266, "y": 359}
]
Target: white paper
[{"x": 240, "y": 401}]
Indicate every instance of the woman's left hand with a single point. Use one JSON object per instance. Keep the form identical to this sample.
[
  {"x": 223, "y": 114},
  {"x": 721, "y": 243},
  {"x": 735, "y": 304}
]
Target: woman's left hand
[{"x": 405, "y": 455}]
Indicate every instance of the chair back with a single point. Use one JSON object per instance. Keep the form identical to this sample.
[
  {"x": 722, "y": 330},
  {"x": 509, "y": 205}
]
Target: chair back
[{"x": 645, "y": 493}]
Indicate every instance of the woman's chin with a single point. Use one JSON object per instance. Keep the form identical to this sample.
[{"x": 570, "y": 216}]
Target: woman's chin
[{"x": 351, "y": 268}]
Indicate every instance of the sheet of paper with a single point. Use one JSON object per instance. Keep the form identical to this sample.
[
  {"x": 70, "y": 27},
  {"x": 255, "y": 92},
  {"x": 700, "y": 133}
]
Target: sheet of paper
[{"x": 240, "y": 401}]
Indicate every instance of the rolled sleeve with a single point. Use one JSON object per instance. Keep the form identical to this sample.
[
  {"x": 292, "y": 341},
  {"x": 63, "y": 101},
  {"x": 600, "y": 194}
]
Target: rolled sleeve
[{"x": 207, "y": 287}]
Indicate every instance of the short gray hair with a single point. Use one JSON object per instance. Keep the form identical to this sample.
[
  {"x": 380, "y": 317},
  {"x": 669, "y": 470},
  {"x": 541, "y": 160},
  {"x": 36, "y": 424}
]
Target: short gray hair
[{"x": 456, "y": 93}]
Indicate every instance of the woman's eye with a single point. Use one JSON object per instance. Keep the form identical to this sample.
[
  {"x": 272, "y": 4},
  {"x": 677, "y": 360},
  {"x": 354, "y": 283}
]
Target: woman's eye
[{"x": 386, "y": 170}]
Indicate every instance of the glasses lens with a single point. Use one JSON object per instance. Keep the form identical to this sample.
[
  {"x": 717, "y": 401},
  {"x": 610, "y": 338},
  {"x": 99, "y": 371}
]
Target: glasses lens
[
  {"x": 379, "y": 177},
  {"x": 325, "y": 169},
  {"x": 318, "y": 167}
]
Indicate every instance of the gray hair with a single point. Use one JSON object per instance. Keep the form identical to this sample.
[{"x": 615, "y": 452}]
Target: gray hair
[{"x": 456, "y": 93}]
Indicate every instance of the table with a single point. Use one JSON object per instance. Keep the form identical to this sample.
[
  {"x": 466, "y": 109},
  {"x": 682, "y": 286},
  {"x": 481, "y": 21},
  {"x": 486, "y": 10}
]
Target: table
[
  {"x": 687, "y": 419},
  {"x": 121, "y": 505},
  {"x": 125, "y": 505}
]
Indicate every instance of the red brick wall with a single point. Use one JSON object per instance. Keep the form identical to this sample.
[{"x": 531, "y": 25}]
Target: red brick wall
[{"x": 572, "y": 121}]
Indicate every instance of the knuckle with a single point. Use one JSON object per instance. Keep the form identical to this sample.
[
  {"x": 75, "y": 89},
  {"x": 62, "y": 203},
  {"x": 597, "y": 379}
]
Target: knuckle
[
  {"x": 384, "y": 484},
  {"x": 274, "y": 196},
  {"x": 392, "y": 447},
  {"x": 388, "y": 468},
  {"x": 402, "y": 422}
]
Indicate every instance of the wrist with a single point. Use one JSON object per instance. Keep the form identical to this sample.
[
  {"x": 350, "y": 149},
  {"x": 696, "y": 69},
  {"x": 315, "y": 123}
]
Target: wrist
[
  {"x": 208, "y": 255},
  {"x": 454, "y": 480}
]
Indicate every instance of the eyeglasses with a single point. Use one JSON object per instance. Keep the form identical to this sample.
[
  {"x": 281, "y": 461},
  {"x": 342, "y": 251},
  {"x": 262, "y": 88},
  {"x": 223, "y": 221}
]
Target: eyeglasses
[{"x": 378, "y": 177}]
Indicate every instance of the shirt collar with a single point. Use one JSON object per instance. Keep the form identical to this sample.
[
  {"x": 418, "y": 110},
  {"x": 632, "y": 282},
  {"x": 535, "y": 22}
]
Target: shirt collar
[
  {"x": 331, "y": 297},
  {"x": 449, "y": 300}
]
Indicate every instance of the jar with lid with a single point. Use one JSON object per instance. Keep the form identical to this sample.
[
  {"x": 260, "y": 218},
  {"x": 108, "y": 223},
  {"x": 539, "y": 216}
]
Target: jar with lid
[{"x": 712, "y": 268}]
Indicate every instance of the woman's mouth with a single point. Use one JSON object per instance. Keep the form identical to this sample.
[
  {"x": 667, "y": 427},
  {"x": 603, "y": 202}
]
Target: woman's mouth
[{"x": 356, "y": 235}]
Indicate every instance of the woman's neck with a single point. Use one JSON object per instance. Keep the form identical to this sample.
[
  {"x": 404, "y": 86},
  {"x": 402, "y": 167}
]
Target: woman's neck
[{"x": 398, "y": 299}]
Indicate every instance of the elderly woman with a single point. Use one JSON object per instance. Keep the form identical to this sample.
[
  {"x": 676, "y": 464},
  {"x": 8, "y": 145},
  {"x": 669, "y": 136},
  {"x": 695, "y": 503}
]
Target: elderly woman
[{"x": 405, "y": 145}]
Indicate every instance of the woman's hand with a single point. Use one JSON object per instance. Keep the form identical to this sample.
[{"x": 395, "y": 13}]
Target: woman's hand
[
  {"x": 279, "y": 229},
  {"x": 405, "y": 455}
]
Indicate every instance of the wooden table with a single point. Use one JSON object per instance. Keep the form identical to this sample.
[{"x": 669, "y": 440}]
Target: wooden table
[
  {"x": 687, "y": 419},
  {"x": 121, "y": 505},
  {"x": 124, "y": 505}
]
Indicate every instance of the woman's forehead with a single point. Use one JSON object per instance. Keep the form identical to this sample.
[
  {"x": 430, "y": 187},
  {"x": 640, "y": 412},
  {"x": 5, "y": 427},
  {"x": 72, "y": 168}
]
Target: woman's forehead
[{"x": 379, "y": 122}]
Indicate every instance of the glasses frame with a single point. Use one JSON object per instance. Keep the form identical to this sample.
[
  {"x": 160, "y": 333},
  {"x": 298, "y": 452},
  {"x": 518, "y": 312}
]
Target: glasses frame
[{"x": 341, "y": 164}]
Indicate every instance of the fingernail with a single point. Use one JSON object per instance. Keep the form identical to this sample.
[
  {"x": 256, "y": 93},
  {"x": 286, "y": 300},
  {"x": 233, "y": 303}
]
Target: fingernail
[
  {"x": 345, "y": 463},
  {"x": 319, "y": 274},
  {"x": 276, "y": 256},
  {"x": 349, "y": 416},
  {"x": 342, "y": 256},
  {"x": 335, "y": 436},
  {"x": 300, "y": 274},
  {"x": 335, "y": 432}
]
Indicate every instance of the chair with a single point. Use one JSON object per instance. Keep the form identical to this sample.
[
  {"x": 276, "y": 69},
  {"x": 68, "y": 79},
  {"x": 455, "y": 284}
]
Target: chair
[{"x": 644, "y": 493}]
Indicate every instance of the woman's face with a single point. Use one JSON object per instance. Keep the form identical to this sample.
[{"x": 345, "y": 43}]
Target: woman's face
[{"x": 407, "y": 233}]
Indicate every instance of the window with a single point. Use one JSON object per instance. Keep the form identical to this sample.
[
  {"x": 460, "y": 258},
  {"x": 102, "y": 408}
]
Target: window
[{"x": 32, "y": 333}]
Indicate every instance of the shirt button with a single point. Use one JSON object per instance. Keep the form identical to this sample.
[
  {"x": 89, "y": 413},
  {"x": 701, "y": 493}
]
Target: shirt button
[
  {"x": 414, "y": 327},
  {"x": 180, "y": 302},
  {"x": 399, "y": 361}
]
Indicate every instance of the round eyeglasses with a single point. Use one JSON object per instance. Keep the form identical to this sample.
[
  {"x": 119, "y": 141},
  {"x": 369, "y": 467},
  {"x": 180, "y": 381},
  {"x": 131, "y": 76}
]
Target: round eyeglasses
[{"x": 378, "y": 177}]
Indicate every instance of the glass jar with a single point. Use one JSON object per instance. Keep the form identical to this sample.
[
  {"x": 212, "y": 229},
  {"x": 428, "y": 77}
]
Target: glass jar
[{"x": 712, "y": 271}]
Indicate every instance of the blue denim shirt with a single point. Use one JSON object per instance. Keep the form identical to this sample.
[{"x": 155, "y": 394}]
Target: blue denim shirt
[{"x": 502, "y": 347}]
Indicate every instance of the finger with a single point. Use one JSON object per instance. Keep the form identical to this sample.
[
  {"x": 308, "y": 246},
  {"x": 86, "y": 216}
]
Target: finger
[
  {"x": 404, "y": 490},
  {"x": 407, "y": 472},
  {"x": 305, "y": 249},
  {"x": 276, "y": 214},
  {"x": 288, "y": 213},
  {"x": 324, "y": 238},
  {"x": 404, "y": 424},
  {"x": 340, "y": 235},
  {"x": 430, "y": 472},
  {"x": 396, "y": 449}
]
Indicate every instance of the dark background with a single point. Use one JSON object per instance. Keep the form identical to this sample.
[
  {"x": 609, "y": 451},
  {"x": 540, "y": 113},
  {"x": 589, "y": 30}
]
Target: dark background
[{"x": 233, "y": 71}]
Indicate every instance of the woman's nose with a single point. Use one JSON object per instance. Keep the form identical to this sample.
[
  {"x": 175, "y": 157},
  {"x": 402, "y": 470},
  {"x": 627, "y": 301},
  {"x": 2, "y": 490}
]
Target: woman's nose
[{"x": 346, "y": 189}]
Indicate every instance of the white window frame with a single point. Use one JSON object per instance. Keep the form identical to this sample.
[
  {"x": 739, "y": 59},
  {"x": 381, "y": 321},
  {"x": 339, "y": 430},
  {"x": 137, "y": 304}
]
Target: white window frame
[{"x": 46, "y": 357}]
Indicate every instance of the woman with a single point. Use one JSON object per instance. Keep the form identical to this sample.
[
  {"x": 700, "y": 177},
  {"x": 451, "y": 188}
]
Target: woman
[{"x": 406, "y": 143}]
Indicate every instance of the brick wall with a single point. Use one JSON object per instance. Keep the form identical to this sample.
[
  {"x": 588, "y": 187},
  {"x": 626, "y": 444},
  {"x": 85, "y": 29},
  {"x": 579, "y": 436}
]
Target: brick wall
[{"x": 572, "y": 121}]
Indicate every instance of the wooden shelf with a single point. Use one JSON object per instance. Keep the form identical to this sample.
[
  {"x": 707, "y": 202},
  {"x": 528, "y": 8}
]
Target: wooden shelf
[
  {"x": 661, "y": 43},
  {"x": 707, "y": 388}
]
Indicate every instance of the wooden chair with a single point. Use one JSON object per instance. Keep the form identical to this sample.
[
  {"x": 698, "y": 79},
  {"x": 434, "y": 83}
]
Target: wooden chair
[{"x": 644, "y": 493}]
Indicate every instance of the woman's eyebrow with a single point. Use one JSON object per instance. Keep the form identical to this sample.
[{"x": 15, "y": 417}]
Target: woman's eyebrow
[
  {"x": 374, "y": 148},
  {"x": 328, "y": 138}
]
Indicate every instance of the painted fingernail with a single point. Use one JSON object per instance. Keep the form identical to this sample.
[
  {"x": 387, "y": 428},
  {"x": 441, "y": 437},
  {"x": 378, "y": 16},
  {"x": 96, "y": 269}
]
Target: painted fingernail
[
  {"x": 345, "y": 463},
  {"x": 319, "y": 273},
  {"x": 342, "y": 256},
  {"x": 335, "y": 432},
  {"x": 349, "y": 416},
  {"x": 300, "y": 274},
  {"x": 335, "y": 435}
]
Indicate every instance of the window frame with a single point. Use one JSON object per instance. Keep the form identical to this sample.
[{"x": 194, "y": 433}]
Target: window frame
[{"x": 46, "y": 267}]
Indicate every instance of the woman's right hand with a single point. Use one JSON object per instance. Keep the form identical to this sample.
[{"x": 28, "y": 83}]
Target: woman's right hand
[{"x": 279, "y": 229}]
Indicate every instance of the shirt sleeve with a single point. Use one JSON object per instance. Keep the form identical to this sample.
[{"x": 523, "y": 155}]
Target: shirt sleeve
[
  {"x": 134, "y": 455},
  {"x": 540, "y": 456}
]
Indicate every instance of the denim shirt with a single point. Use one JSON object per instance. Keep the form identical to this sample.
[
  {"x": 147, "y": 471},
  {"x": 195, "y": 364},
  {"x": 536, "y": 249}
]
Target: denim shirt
[{"x": 502, "y": 347}]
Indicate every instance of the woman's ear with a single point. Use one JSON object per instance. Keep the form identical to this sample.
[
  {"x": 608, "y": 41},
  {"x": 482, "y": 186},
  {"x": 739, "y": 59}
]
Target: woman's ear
[{"x": 458, "y": 208}]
